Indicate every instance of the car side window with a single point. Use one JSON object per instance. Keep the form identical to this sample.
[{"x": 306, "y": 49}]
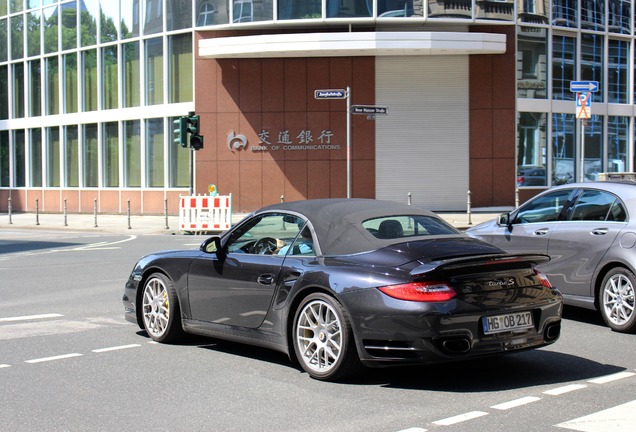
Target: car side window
[
  {"x": 594, "y": 205},
  {"x": 265, "y": 234},
  {"x": 545, "y": 208}
]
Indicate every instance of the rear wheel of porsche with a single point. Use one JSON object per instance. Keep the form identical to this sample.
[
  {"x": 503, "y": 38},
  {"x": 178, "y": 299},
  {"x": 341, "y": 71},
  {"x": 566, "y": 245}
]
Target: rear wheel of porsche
[
  {"x": 160, "y": 309},
  {"x": 323, "y": 339},
  {"x": 616, "y": 300}
]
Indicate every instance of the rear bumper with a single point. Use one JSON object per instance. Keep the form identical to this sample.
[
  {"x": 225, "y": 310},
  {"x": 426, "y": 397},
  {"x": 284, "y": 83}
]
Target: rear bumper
[{"x": 390, "y": 331}]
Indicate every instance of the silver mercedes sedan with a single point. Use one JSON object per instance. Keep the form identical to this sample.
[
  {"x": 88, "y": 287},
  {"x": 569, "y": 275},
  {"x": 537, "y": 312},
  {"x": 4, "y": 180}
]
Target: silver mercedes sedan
[{"x": 589, "y": 231}]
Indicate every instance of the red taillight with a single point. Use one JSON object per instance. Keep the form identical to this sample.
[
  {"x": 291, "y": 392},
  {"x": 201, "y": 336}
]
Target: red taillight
[
  {"x": 429, "y": 291},
  {"x": 543, "y": 279}
]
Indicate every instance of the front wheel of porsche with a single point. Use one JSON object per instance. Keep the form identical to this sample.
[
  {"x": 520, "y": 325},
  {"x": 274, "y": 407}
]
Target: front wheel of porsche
[
  {"x": 323, "y": 339},
  {"x": 616, "y": 300},
  {"x": 160, "y": 309}
]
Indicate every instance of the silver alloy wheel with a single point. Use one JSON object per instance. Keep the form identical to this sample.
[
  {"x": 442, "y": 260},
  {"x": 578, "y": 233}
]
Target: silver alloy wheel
[
  {"x": 319, "y": 336},
  {"x": 618, "y": 299},
  {"x": 156, "y": 307}
]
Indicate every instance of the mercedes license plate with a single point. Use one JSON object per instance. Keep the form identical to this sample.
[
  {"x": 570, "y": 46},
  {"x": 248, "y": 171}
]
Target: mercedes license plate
[{"x": 501, "y": 323}]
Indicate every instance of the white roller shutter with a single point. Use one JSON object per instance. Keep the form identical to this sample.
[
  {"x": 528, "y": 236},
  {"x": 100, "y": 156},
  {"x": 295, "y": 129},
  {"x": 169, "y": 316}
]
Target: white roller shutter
[{"x": 422, "y": 144}]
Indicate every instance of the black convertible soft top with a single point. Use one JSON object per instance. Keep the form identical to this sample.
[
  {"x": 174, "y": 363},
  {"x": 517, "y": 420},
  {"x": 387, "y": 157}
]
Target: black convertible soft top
[{"x": 338, "y": 222}]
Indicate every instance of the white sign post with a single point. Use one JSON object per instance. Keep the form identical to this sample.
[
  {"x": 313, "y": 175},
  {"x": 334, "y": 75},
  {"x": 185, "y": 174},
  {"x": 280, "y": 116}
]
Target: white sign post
[{"x": 583, "y": 90}]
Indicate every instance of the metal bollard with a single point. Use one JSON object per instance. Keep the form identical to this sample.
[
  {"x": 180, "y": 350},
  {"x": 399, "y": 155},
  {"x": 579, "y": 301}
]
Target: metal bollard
[
  {"x": 165, "y": 211},
  {"x": 65, "y": 214},
  {"x": 282, "y": 199},
  {"x": 468, "y": 209},
  {"x": 129, "y": 214},
  {"x": 409, "y": 199},
  {"x": 95, "y": 211},
  {"x": 9, "y": 211},
  {"x": 37, "y": 211},
  {"x": 516, "y": 197}
]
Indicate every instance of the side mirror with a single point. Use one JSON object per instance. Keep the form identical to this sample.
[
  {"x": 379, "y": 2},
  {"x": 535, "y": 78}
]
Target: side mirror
[
  {"x": 504, "y": 219},
  {"x": 213, "y": 245}
]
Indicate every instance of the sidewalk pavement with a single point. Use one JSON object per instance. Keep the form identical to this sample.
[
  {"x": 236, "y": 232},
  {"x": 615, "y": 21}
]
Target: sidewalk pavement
[{"x": 160, "y": 225}]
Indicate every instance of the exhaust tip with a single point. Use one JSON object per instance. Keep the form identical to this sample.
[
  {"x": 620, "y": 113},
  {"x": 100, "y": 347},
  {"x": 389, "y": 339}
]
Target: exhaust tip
[
  {"x": 456, "y": 346},
  {"x": 552, "y": 332}
]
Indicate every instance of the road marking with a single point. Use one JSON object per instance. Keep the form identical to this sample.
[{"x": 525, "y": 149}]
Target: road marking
[
  {"x": 115, "y": 348},
  {"x": 4, "y": 366},
  {"x": 515, "y": 403},
  {"x": 60, "y": 357},
  {"x": 618, "y": 418},
  {"x": 415, "y": 429},
  {"x": 613, "y": 377},
  {"x": 460, "y": 418},
  {"x": 565, "y": 389},
  {"x": 30, "y": 317}
]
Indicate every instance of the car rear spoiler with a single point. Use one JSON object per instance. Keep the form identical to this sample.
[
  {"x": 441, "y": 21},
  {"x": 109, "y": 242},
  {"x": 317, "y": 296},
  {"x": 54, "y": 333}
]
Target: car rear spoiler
[{"x": 477, "y": 262}]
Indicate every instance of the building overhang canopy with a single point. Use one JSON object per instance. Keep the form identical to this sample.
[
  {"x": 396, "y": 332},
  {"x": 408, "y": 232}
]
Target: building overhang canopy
[{"x": 353, "y": 44}]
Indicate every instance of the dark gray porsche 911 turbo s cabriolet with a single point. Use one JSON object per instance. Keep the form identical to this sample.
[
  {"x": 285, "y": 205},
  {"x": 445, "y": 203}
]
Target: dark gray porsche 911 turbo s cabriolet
[{"x": 340, "y": 283}]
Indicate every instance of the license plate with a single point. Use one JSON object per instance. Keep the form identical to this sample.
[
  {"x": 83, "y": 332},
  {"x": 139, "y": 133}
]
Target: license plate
[{"x": 501, "y": 323}]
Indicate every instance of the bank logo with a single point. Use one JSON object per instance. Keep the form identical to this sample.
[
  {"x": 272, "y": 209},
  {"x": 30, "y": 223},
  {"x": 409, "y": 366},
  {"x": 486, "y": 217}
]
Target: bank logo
[{"x": 236, "y": 142}]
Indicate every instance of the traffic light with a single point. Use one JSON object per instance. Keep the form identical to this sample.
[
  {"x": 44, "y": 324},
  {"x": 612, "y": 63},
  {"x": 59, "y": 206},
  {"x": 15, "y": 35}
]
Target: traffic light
[
  {"x": 181, "y": 131},
  {"x": 196, "y": 140}
]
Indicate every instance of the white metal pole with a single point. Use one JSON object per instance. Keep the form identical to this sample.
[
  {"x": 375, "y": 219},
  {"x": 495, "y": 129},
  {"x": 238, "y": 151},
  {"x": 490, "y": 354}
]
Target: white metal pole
[{"x": 348, "y": 142}]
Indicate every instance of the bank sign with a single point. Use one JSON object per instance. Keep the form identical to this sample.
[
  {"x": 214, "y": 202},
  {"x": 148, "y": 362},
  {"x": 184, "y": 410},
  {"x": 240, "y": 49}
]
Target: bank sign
[{"x": 286, "y": 140}]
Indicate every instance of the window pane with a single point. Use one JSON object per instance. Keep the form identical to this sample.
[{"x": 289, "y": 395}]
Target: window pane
[
  {"x": 109, "y": 19},
  {"x": 19, "y": 159},
  {"x": 89, "y": 156},
  {"x": 129, "y": 18},
  {"x": 35, "y": 162},
  {"x": 111, "y": 154},
  {"x": 16, "y": 6},
  {"x": 70, "y": 83},
  {"x": 446, "y": 9},
  {"x": 154, "y": 71},
  {"x": 179, "y": 162},
  {"x": 496, "y": 10},
  {"x": 617, "y": 144},
  {"x": 52, "y": 86},
  {"x": 532, "y": 151},
  {"x": 153, "y": 16},
  {"x": 88, "y": 18},
  {"x": 592, "y": 61},
  {"x": 350, "y": 8},
  {"x": 564, "y": 13},
  {"x": 31, "y": 4},
  {"x": 17, "y": 38},
  {"x": 620, "y": 16},
  {"x": 563, "y": 148},
  {"x": 179, "y": 14},
  {"x": 35, "y": 92},
  {"x": 89, "y": 63},
  {"x": 132, "y": 154},
  {"x": 50, "y": 30},
  {"x": 181, "y": 74},
  {"x": 594, "y": 148},
  {"x": 563, "y": 67},
  {"x": 154, "y": 152},
  {"x": 3, "y": 40},
  {"x": 53, "y": 157},
  {"x": 132, "y": 88},
  {"x": 33, "y": 33},
  {"x": 3, "y": 7},
  {"x": 211, "y": 12},
  {"x": 532, "y": 71},
  {"x": 617, "y": 76},
  {"x": 534, "y": 11},
  {"x": 18, "y": 90},
  {"x": 110, "y": 78},
  {"x": 72, "y": 156},
  {"x": 4, "y": 92},
  {"x": 5, "y": 159},
  {"x": 593, "y": 14},
  {"x": 299, "y": 9},
  {"x": 69, "y": 25}
]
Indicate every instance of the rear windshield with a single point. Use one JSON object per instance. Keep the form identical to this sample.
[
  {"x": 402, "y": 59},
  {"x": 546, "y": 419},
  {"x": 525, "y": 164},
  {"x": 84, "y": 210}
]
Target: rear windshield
[{"x": 394, "y": 227}]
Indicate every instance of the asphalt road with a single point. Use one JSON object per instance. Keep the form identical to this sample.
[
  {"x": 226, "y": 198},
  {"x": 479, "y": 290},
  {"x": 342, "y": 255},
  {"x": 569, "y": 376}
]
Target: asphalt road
[{"x": 70, "y": 362}]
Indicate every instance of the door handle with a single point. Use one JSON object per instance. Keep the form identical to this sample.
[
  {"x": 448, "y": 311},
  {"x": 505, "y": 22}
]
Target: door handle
[
  {"x": 599, "y": 231},
  {"x": 265, "y": 279},
  {"x": 541, "y": 231}
]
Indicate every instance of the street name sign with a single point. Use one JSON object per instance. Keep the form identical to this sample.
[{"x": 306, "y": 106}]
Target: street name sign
[
  {"x": 583, "y": 86},
  {"x": 369, "y": 109},
  {"x": 330, "y": 94}
]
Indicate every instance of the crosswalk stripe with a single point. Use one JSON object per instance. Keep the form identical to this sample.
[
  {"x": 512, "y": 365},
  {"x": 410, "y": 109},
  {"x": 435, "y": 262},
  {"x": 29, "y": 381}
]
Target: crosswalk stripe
[
  {"x": 618, "y": 418},
  {"x": 610, "y": 378}
]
